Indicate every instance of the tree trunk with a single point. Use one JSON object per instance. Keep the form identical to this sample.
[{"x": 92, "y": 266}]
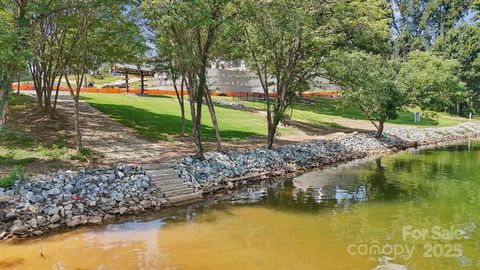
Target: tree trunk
[
  {"x": 56, "y": 94},
  {"x": 213, "y": 116},
  {"x": 78, "y": 134},
  {"x": 182, "y": 106},
  {"x": 380, "y": 128},
  {"x": 270, "y": 131},
  {"x": 3, "y": 107},
  {"x": 196, "y": 132},
  {"x": 180, "y": 100},
  {"x": 5, "y": 85},
  {"x": 18, "y": 83},
  {"x": 76, "y": 98}
]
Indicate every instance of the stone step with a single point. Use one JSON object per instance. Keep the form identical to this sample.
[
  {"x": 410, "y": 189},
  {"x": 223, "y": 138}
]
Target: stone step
[
  {"x": 161, "y": 166},
  {"x": 177, "y": 192},
  {"x": 174, "y": 188},
  {"x": 161, "y": 173},
  {"x": 165, "y": 181},
  {"x": 179, "y": 199},
  {"x": 165, "y": 178}
]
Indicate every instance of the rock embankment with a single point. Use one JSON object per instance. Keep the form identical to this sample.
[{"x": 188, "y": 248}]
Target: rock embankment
[
  {"x": 69, "y": 199},
  {"x": 222, "y": 170}
]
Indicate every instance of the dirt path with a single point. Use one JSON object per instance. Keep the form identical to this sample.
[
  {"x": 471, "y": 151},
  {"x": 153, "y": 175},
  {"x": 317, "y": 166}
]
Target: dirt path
[{"x": 117, "y": 143}]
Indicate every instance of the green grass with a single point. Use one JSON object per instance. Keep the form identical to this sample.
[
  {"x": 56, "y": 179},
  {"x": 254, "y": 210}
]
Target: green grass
[
  {"x": 9, "y": 180},
  {"x": 158, "y": 117},
  {"x": 17, "y": 148},
  {"x": 83, "y": 155},
  {"x": 105, "y": 79},
  {"x": 325, "y": 110},
  {"x": 33, "y": 140}
]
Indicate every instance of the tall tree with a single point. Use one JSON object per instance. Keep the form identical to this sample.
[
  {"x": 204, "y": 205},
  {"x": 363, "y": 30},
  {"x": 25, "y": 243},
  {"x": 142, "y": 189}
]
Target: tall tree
[
  {"x": 94, "y": 22},
  {"x": 48, "y": 37},
  {"x": 416, "y": 24},
  {"x": 431, "y": 82},
  {"x": 14, "y": 23},
  {"x": 368, "y": 83},
  {"x": 191, "y": 29},
  {"x": 167, "y": 61},
  {"x": 463, "y": 44},
  {"x": 288, "y": 42}
]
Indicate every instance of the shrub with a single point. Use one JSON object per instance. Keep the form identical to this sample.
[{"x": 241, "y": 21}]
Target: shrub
[{"x": 8, "y": 181}]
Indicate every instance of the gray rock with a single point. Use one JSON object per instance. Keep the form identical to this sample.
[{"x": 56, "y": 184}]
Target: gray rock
[
  {"x": 4, "y": 199},
  {"x": 33, "y": 223},
  {"x": 95, "y": 220},
  {"x": 10, "y": 216},
  {"x": 41, "y": 220},
  {"x": 73, "y": 222},
  {"x": 55, "y": 218},
  {"x": 122, "y": 210},
  {"x": 108, "y": 218},
  {"x": 54, "y": 192},
  {"x": 19, "y": 230}
]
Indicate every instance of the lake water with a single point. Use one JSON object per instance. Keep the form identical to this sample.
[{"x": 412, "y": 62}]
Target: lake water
[{"x": 414, "y": 210}]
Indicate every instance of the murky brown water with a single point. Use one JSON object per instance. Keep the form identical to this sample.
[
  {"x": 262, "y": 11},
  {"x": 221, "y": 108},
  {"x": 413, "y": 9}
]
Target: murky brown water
[{"x": 420, "y": 209}]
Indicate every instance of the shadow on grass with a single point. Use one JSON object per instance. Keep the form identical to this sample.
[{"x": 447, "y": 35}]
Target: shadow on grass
[
  {"x": 323, "y": 128},
  {"x": 161, "y": 96},
  {"x": 333, "y": 107},
  {"x": 155, "y": 126},
  {"x": 11, "y": 161}
]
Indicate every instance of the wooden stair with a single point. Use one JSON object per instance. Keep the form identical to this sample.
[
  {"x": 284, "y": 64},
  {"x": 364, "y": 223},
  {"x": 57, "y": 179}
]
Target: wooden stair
[{"x": 176, "y": 191}]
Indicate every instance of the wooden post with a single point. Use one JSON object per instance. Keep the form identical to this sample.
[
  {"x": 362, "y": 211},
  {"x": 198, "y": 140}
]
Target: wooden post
[
  {"x": 18, "y": 82},
  {"x": 126, "y": 82},
  {"x": 143, "y": 87}
]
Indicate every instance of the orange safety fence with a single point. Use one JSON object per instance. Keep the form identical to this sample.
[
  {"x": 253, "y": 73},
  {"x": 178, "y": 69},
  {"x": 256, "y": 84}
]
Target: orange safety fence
[{"x": 30, "y": 86}]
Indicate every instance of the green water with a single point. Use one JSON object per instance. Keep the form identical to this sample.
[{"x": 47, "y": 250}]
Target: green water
[{"x": 414, "y": 210}]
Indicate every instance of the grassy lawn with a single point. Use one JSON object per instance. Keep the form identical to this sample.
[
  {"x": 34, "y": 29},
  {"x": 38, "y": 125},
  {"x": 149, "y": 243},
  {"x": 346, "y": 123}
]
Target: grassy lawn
[
  {"x": 105, "y": 79},
  {"x": 158, "y": 117},
  {"x": 325, "y": 110},
  {"x": 33, "y": 141}
]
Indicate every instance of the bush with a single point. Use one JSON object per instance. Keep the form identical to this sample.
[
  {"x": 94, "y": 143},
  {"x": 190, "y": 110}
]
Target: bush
[
  {"x": 8, "y": 181},
  {"x": 84, "y": 154}
]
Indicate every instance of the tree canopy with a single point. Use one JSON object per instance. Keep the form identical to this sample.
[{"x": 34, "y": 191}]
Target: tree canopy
[
  {"x": 430, "y": 81},
  {"x": 368, "y": 82}
]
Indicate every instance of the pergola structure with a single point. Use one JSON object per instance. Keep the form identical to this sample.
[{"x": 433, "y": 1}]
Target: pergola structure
[{"x": 141, "y": 71}]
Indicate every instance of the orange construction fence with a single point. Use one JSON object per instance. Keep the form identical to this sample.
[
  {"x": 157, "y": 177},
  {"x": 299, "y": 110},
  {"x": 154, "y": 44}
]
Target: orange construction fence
[{"x": 30, "y": 86}]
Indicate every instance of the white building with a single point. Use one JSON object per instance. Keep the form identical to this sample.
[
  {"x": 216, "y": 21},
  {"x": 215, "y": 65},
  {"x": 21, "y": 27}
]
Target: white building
[{"x": 233, "y": 77}]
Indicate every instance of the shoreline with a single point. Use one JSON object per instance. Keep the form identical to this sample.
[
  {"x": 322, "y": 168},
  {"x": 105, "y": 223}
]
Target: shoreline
[{"x": 64, "y": 200}]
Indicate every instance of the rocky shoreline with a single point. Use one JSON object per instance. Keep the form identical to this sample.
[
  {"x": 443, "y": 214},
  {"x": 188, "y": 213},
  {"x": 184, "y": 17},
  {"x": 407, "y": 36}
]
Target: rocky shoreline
[
  {"x": 68, "y": 199},
  {"x": 224, "y": 170}
]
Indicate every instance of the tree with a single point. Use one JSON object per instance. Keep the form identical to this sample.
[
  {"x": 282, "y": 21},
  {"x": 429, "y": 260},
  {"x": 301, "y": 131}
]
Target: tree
[
  {"x": 417, "y": 24},
  {"x": 98, "y": 32},
  {"x": 430, "y": 81},
  {"x": 13, "y": 46},
  {"x": 288, "y": 42},
  {"x": 48, "y": 37},
  {"x": 368, "y": 82},
  {"x": 190, "y": 29},
  {"x": 167, "y": 61},
  {"x": 463, "y": 44}
]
